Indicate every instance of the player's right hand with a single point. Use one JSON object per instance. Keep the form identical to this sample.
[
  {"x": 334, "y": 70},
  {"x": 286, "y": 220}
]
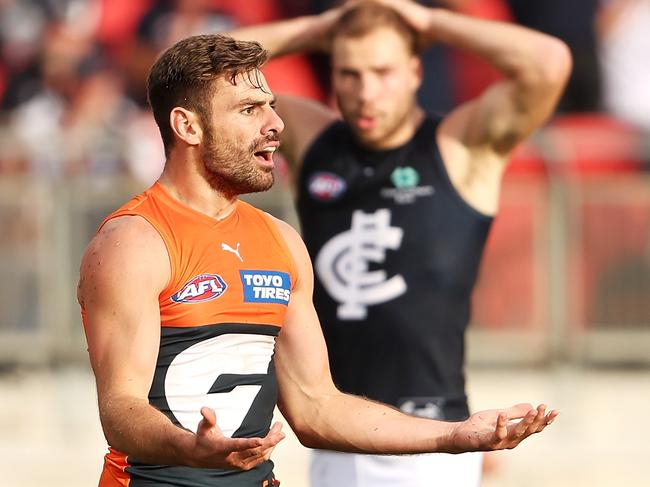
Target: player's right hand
[{"x": 214, "y": 450}]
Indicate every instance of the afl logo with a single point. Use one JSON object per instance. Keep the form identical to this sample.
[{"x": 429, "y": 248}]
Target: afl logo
[
  {"x": 200, "y": 289},
  {"x": 326, "y": 186}
]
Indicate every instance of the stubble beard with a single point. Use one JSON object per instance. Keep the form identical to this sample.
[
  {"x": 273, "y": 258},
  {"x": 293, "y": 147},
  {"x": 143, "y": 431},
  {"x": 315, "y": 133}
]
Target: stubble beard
[
  {"x": 389, "y": 126},
  {"x": 231, "y": 169},
  {"x": 389, "y": 123}
]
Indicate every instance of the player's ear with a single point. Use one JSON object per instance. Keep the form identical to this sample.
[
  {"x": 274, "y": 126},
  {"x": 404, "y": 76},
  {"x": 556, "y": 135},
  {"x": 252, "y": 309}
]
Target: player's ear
[{"x": 185, "y": 125}]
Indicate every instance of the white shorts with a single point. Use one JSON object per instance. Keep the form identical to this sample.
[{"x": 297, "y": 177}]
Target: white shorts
[{"x": 334, "y": 469}]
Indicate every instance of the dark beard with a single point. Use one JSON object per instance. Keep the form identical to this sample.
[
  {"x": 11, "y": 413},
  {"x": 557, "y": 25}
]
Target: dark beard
[{"x": 231, "y": 169}]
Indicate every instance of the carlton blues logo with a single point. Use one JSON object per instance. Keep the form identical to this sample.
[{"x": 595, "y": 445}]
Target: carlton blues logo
[
  {"x": 200, "y": 289},
  {"x": 343, "y": 264}
]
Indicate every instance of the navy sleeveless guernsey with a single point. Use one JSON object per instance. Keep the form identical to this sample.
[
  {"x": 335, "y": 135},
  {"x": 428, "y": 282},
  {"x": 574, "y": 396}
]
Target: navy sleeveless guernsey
[{"x": 396, "y": 252}]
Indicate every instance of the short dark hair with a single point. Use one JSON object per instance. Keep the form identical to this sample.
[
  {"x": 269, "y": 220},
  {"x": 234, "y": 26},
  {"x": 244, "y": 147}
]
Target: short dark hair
[
  {"x": 368, "y": 16},
  {"x": 184, "y": 75}
]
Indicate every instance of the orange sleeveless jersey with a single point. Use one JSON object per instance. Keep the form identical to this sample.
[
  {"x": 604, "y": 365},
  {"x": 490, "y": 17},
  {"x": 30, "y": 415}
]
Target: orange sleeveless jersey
[{"x": 225, "y": 303}]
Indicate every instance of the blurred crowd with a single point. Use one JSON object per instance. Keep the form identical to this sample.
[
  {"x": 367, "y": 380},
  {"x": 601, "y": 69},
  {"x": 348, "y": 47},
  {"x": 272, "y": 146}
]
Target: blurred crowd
[{"x": 73, "y": 72}]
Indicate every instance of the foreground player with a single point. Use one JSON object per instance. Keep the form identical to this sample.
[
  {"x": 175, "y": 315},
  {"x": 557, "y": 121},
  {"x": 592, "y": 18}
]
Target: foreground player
[
  {"x": 198, "y": 309},
  {"x": 395, "y": 206}
]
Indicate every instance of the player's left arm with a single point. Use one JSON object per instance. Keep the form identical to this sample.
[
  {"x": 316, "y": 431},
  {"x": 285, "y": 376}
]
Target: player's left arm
[
  {"x": 535, "y": 66},
  {"x": 323, "y": 417},
  {"x": 477, "y": 137}
]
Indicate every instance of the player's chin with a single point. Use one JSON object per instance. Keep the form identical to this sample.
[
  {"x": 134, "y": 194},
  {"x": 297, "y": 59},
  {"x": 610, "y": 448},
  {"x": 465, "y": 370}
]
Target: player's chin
[
  {"x": 263, "y": 182},
  {"x": 369, "y": 138}
]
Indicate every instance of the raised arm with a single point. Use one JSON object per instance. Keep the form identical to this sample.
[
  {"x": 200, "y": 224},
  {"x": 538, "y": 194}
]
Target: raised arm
[
  {"x": 122, "y": 273},
  {"x": 477, "y": 137},
  {"x": 535, "y": 66},
  {"x": 323, "y": 417},
  {"x": 308, "y": 33}
]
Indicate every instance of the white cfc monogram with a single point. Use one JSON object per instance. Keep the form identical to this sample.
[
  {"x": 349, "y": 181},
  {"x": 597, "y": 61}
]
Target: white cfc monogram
[{"x": 343, "y": 262}]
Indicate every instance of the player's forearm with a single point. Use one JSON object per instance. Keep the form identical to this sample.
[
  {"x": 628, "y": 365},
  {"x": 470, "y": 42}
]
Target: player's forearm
[
  {"x": 134, "y": 427},
  {"x": 516, "y": 51},
  {"x": 300, "y": 34},
  {"x": 349, "y": 423}
]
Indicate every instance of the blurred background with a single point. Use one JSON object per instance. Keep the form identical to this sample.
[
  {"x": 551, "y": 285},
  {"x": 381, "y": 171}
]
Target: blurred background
[{"x": 562, "y": 307}]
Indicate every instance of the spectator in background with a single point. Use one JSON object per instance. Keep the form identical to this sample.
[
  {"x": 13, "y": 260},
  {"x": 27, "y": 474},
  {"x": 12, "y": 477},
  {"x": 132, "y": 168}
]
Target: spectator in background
[
  {"x": 74, "y": 119},
  {"x": 21, "y": 33},
  {"x": 72, "y": 79},
  {"x": 65, "y": 111}
]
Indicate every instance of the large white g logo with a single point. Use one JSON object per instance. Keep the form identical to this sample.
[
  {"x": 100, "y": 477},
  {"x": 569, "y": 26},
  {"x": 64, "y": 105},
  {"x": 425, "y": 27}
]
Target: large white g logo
[{"x": 225, "y": 357}]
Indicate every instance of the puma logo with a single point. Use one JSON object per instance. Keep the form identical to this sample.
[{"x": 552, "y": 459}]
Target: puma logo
[{"x": 228, "y": 248}]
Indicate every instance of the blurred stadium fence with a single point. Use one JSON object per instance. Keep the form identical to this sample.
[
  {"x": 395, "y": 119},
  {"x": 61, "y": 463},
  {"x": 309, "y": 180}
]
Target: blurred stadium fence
[{"x": 566, "y": 276}]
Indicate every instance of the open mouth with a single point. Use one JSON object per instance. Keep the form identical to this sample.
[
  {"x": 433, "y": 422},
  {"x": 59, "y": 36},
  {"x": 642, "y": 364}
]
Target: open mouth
[{"x": 265, "y": 156}]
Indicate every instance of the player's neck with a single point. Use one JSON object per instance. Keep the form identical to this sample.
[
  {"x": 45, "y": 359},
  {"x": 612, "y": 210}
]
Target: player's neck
[{"x": 183, "y": 182}]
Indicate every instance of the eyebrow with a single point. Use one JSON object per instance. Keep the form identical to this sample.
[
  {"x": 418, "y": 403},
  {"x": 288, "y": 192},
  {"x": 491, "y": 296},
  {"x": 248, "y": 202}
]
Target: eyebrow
[{"x": 256, "y": 102}]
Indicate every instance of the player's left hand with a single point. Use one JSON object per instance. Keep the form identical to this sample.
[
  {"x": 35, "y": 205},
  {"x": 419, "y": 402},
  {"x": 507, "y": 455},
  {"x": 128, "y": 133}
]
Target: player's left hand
[{"x": 499, "y": 429}]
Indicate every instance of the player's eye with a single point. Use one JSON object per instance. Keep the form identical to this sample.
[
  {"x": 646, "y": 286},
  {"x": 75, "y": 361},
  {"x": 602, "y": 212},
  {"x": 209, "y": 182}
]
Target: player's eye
[
  {"x": 248, "y": 110},
  {"x": 348, "y": 74}
]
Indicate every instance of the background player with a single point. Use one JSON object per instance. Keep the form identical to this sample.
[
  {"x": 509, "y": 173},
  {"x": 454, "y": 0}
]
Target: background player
[{"x": 395, "y": 205}]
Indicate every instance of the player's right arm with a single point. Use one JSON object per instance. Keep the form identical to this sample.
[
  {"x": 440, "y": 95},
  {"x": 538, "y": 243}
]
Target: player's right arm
[
  {"x": 123, "y": 271},
  {"x": 309, "y": 33}
]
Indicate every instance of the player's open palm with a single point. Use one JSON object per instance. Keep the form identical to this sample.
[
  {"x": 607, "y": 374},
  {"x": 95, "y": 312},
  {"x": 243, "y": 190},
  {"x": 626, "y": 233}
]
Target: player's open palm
[
  {"x": 214, "y": 450},
  {"x": 500, "y": 429}
]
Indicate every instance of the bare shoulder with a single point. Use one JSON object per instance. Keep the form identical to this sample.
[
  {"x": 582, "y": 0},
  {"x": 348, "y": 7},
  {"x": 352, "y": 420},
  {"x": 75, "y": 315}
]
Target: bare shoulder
[
  {"x": 127, "y": 250},
  {"x": 125, "y": 237}
]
